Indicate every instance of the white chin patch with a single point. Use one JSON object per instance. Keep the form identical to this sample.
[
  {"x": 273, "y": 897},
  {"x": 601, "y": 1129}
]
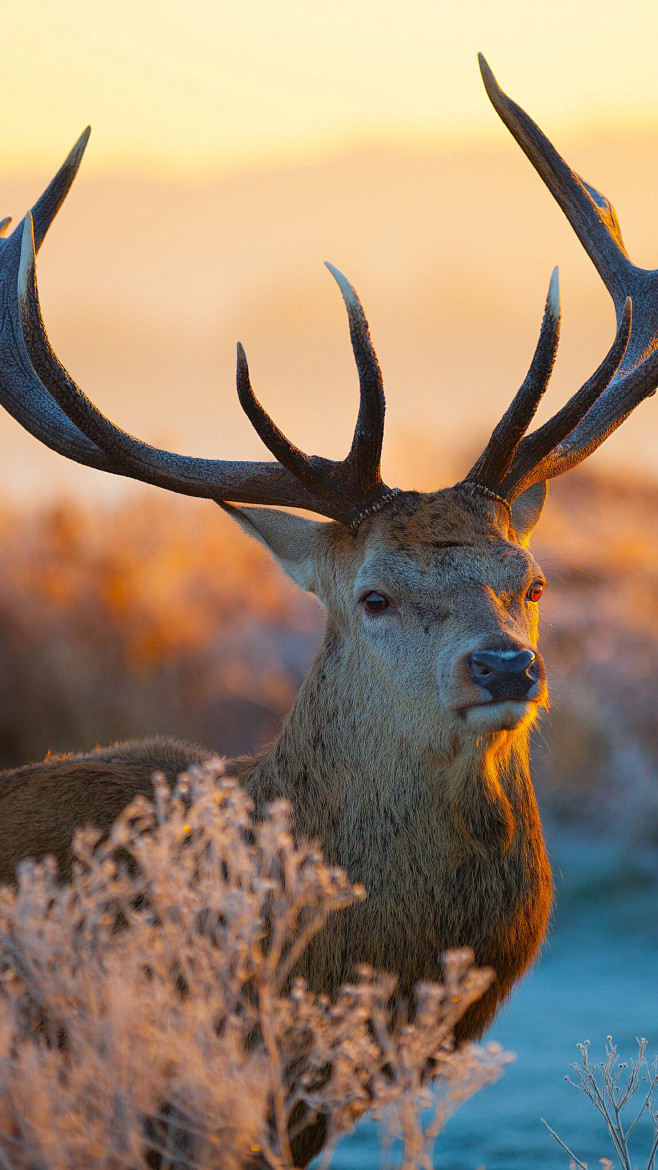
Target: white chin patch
[{"x": 491, "y": 717}]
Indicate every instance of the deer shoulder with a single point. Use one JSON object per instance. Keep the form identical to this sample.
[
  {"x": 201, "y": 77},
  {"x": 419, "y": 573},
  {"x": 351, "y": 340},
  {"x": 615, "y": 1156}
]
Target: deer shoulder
[{"x": 42, "y": 804}]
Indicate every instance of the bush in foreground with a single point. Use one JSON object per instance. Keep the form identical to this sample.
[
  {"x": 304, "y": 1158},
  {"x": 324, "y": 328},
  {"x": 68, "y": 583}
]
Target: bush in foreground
[{"x": 149, "y": 1007}]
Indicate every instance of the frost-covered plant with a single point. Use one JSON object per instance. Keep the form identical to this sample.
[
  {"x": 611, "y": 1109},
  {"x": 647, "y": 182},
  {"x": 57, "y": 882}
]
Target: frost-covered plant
[
  {"x": 624, "y": 1093},
  {"x": 149, "y": 1008}
]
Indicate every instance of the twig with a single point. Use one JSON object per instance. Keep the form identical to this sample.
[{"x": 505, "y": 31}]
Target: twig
[{"x": 581, "y": 1165}]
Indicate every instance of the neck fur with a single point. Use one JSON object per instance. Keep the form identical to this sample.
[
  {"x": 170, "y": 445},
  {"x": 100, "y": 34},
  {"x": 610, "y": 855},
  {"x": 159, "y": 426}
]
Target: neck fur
[
  {"x": 445, "y": 837},
  {"x": 340, "y": 755}
]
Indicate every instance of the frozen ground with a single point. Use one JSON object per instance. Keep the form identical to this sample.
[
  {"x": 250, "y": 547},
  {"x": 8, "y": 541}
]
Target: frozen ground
[{"x": 596, "y": 976}]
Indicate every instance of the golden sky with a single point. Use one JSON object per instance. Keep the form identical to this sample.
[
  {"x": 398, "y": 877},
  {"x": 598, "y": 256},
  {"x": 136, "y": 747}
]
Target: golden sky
[{"x": 216, "y": 84}]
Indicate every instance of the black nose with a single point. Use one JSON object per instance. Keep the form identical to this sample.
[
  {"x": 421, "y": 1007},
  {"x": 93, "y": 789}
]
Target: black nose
[{"x": 506, "y": 674}]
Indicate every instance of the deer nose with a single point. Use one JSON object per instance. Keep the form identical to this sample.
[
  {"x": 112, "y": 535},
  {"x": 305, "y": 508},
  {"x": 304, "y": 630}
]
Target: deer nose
[{"x": 505, "y": 674}]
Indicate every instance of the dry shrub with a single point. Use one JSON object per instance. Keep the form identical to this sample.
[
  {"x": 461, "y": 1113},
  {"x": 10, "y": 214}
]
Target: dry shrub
[
  {"x": 624, "y": 1093},
  {"x": 149, "y": 1008}
]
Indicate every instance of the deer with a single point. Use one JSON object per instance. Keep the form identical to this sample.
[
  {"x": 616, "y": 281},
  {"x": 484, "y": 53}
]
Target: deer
[{"x": 406, "y": 752}]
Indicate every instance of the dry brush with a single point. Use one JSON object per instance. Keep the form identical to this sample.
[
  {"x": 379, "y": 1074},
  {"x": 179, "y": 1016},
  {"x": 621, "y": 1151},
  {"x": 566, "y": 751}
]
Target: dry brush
[{"x": 149, "y": 1008}]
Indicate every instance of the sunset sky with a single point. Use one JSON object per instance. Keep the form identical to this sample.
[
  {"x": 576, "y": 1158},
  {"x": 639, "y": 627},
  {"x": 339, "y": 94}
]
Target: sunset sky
[{"x": 211, "y": 84}]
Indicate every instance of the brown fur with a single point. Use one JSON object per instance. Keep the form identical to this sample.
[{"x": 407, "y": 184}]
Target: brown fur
[
  {"x": 41, "y": 805},
  {"x": 391, "y": 756}
]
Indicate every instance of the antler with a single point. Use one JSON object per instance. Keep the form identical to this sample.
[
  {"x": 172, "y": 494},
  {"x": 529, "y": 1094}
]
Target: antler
[
  {"x": 629, "y": 372},
  {"x": 37, "y": 390}
]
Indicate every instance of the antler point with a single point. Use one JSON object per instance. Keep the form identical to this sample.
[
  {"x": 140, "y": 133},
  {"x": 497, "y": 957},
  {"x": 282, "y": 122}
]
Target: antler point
[
  {"x": 349, "y": 293},
  {"x": 242, "y": 371},
  {"x": 554, "y": 292},
  {"x": 487, "y": 75},
  {"x": 75, "y": 156},
  {"x": 338, "y": 276},
  {"x": 26, "y": 265}
]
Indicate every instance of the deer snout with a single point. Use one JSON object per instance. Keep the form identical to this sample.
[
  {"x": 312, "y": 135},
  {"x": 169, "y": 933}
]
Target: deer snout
[{"x": 506, "y": 674}]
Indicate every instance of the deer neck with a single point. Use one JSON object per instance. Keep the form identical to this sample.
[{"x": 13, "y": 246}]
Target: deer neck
[
  {"x": 343, "y": 757},
  {"x": 445, "y": 837}
]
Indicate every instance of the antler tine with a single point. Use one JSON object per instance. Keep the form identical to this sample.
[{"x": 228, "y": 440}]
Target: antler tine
[
  {"x": 365, "y": 453},
  {"x": 274, "y": 439},
  {"x": 46, "y": 207},
  {"x": 600, "y": 421},
  {"x": 591, "y": 215},
  {"x": 492, "y": 466},
  {"x": 632, "y": 364},
  {"x": 534, "y": 459},
  {"x": 21, "y": 391}
]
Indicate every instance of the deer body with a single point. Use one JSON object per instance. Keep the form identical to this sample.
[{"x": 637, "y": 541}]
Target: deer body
[{"x": 406, "y": 752}]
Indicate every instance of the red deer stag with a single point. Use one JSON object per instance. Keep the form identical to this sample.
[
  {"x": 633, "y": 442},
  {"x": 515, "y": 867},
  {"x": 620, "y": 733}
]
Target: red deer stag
[{"x": 406, "y": 752}]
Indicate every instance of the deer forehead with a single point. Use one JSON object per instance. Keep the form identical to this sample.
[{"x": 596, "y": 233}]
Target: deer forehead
[
  {"x": 495, "y": 566},
  {"x": 424, "y": 543},
  {"x": 430, "y": 520}
]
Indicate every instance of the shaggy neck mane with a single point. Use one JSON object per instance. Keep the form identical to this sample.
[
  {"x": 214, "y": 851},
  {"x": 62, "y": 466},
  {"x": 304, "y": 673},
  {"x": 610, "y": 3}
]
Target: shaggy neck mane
[
  {"x": 339, "y": 757},
  {"x": 445, "y": 837}
]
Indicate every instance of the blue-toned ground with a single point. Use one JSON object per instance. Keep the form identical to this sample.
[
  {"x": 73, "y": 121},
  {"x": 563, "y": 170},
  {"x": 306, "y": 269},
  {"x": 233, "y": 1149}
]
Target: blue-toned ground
[{"x": 597, "y": 976}]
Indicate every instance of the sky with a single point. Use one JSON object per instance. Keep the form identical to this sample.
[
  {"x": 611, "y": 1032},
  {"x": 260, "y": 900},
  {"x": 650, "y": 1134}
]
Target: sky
[{"x": 211, "y": 85}]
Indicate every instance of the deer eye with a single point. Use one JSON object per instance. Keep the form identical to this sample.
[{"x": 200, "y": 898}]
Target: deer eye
[
  {"x": 535, "y": 591},
  {"x": 375, "y": 602}
]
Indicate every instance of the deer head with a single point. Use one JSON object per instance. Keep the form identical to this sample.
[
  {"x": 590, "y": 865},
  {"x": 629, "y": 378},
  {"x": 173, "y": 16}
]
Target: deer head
[{"x": 434, "y": 596}]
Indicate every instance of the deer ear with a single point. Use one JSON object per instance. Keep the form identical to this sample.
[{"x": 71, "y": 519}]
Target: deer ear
[
  {"x": 292, "y": 540},
  {"x": 526, "y": 510}
]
